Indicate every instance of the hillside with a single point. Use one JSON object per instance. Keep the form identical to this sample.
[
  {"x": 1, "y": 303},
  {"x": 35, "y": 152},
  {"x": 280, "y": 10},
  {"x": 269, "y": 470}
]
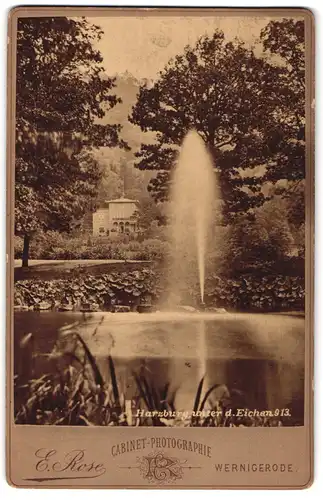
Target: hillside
[{"x": 119, "y": 164}]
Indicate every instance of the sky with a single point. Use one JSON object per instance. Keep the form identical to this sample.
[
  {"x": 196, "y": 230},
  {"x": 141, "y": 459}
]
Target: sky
[{"x": 143, "y": 45}]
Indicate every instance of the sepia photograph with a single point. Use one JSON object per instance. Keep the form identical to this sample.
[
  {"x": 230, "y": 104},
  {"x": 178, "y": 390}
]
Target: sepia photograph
[{"x": 159, "y": 220}]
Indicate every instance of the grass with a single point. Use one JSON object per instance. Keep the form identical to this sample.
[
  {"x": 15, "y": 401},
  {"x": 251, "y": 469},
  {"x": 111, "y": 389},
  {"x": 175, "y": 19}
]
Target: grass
[
  {"x": 49, "y": 270},
  {"x": 78, "y": 394}
]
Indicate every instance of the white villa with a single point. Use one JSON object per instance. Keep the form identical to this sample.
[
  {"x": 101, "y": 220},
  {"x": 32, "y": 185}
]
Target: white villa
[{"x": 115, "y": 217}]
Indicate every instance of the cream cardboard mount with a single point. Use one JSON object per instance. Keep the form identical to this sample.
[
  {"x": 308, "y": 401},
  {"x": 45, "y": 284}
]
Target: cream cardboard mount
[{"x": 160, "y": 248}]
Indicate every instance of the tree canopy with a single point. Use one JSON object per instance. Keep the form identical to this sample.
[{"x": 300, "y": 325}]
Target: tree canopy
[
  {"x": 247, "y": 108},
  {"x": 285, "y": 40}
]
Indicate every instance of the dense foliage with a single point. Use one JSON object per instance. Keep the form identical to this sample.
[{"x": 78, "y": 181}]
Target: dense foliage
[
  {"x": 249, "y": 110},
  {"x": 53, "y": 245},
  {"x": 285, "y": 40},
  {"x": 249, "y": 292},
  {"x": 61, "y": 95}
]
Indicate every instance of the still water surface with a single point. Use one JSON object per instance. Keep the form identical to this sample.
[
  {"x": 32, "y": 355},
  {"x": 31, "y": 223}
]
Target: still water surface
[{"x": 261, "y": 355}]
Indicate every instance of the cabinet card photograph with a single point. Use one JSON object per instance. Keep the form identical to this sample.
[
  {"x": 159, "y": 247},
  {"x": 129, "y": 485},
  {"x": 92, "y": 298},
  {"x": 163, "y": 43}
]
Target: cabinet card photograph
[{"x": 160, "y": 247}]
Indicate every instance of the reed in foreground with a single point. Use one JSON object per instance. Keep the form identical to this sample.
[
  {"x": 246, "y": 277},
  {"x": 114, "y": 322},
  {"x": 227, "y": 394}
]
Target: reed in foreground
[{"x": 77, "y": 393}]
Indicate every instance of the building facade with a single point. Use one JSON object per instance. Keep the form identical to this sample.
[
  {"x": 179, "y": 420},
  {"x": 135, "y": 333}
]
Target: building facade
[{"x": 115, "y": 217}]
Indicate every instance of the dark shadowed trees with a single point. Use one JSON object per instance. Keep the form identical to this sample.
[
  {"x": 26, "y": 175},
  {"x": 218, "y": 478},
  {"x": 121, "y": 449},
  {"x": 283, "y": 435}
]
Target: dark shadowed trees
[
  {"x": 242, "y": 106},
  {"x": 285, "y": 41},
  {"x": 60, "y": 100},
  {"x": 226, "y": 93}
]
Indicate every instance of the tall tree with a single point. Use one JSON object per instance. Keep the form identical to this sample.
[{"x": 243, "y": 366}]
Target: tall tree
[
  {"x": 227, "y": 94},
  {"x": 148, "y": 214},
  {"x": 61, "y": 97},
  {"x": 285, "y": 40},
  {"x": 248, "y": 110}
]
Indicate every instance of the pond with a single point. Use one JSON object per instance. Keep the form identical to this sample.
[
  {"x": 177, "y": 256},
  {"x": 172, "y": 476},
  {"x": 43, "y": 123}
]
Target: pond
[{"x": 260, "y": 355}]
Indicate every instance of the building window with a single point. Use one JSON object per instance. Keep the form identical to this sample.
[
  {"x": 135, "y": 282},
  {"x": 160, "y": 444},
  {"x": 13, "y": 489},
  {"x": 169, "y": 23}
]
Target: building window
[{"x": 101, "y": 230}]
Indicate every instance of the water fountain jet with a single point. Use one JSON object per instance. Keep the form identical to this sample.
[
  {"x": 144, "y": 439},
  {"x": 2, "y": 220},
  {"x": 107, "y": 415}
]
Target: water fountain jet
[
  {"x": 194, "y": 192},
  {"x": 180, "y": 348}
]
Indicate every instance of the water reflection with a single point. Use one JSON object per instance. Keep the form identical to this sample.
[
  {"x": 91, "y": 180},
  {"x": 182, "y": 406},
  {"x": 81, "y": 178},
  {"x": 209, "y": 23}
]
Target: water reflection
[{"x": 262, "y": 356}]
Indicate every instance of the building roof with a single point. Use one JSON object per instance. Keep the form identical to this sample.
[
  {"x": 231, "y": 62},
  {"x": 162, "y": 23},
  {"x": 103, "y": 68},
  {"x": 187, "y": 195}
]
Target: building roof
[{"x": 121, "y": 200}]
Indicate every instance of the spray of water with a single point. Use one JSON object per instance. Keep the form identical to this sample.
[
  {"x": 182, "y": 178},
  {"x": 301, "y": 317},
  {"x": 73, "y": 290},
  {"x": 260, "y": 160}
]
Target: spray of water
[{"x": 193, "y": 194}]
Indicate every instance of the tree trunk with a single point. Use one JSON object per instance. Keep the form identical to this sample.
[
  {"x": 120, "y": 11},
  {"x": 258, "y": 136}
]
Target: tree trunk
[{"x": 25, "y": 252}]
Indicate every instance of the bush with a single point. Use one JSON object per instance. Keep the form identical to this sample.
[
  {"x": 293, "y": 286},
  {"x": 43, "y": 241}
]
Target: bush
[
  {"x": 247, "y": 293},
  {"x": 251, "y": 293},
  {"x": 59, "y": 246},
  {"x": 154, "y": 249},
  {"x": 49, "y": 245}
]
